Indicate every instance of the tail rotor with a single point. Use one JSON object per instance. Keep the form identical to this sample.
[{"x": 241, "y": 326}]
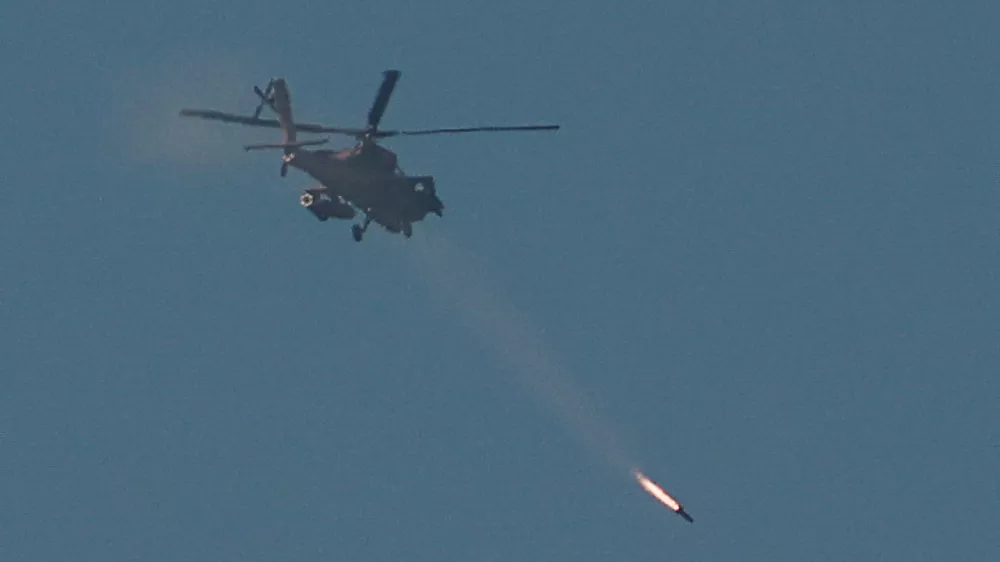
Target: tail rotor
[{"x": 266, "y": 98}]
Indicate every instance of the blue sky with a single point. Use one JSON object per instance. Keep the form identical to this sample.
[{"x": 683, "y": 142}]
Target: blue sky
[{"x": 759, "y": 261}]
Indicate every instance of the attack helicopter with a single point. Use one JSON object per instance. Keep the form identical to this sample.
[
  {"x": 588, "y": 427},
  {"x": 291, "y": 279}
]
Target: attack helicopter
[{"x": 365, "y": 178}]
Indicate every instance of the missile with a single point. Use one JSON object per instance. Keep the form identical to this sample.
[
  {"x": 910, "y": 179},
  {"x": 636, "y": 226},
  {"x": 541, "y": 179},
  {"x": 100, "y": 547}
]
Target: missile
[
  {"x": 685, "y": 515},
  {"x": 661, "y": 495}
]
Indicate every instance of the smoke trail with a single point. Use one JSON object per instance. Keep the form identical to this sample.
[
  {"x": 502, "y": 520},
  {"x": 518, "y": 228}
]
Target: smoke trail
[
  {"x": 451, "y": 274},
  {"x": 142, "y": 123}
]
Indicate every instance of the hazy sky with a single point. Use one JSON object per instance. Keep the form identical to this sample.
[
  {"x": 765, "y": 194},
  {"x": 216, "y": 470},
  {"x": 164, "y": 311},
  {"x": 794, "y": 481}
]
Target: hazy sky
[{"x": 759, "y": 262}]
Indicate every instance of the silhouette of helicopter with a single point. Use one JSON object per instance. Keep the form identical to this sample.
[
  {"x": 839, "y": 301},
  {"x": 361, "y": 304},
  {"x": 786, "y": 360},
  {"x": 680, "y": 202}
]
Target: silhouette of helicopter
[{"x": 366, "y": 178}]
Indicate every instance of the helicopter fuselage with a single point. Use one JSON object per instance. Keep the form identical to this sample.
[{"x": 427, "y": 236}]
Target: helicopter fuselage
[
  {"x": 366, "y": 178},
  {"x": 379, "y": 191}
]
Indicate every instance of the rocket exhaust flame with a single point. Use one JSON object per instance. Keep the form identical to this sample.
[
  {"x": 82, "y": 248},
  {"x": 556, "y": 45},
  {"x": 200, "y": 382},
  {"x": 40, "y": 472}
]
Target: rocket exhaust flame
[{"x": 661, "y": 495}]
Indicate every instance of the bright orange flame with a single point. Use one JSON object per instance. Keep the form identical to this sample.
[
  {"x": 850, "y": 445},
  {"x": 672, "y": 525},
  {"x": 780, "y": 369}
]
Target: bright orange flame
[{"x": 656, "y": 491}]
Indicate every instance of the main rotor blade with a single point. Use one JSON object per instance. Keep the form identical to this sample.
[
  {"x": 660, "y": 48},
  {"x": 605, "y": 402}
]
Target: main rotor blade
[
  {"x": 214, "y": 115},
  {"x": 382, "y": 98},
  {"x": 489, "y": 129}
]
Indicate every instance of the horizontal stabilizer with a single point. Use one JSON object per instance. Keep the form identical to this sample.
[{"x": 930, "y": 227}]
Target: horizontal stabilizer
[{"x": 286, "y": 144}]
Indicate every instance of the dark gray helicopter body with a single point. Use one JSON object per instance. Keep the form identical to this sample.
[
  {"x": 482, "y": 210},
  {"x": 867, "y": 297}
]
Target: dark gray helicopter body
[{"x": 366, "y": 178}]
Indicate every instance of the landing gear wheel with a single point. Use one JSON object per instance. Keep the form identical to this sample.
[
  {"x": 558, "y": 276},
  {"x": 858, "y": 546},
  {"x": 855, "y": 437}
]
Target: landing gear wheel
[{"x": 358, "y": 231}]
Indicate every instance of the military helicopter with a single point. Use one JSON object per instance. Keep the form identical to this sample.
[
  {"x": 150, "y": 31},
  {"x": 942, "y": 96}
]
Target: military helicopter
[{"x": 366, "y": 178}]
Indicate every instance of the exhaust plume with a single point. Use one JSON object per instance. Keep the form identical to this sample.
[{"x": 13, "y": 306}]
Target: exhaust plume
[{"x": 450, "y": 273}]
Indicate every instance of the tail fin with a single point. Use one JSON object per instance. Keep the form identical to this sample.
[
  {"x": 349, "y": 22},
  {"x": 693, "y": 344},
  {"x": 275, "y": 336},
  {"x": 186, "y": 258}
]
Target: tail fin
[{"x": 283, "y": 104}]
